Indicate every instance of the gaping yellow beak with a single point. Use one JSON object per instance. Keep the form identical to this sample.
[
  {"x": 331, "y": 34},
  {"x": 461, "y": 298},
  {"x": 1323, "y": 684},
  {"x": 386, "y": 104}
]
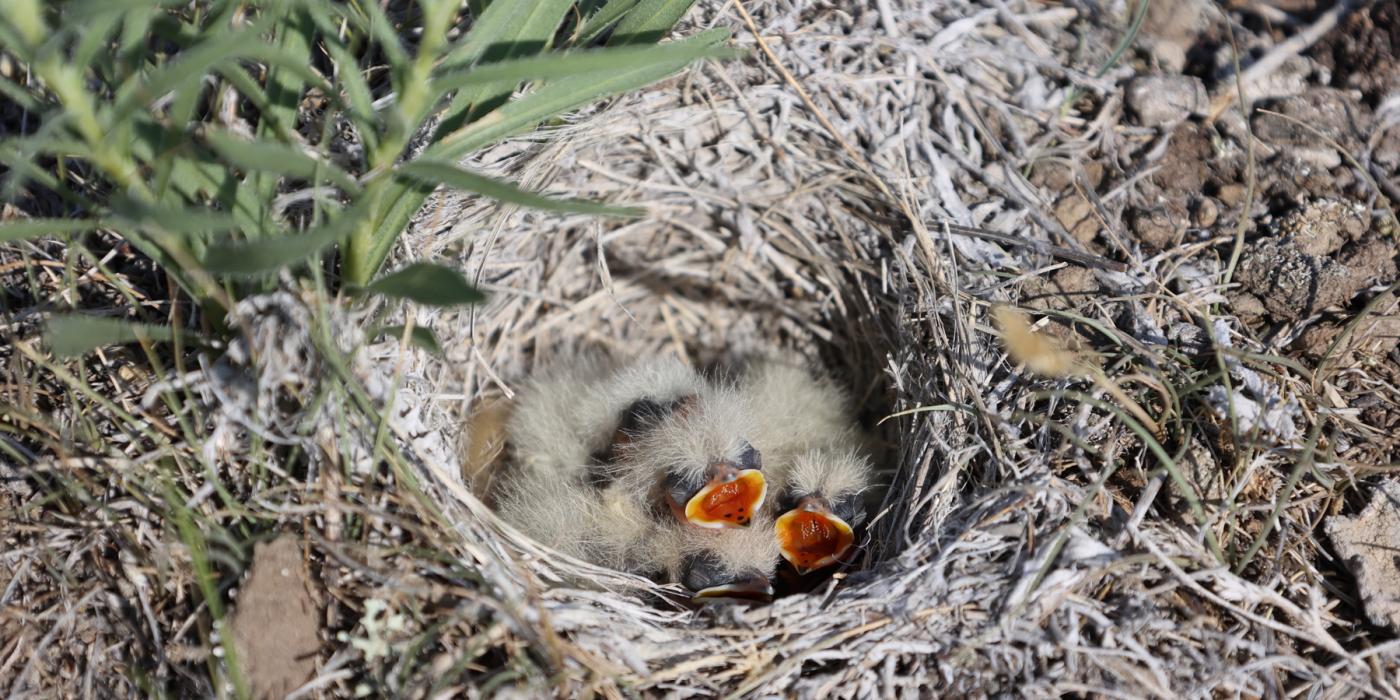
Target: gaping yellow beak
[
  {"x": 731, "y": 499},
  {"x": 812, "y": 537},
  {"x": 755, "y": 588}
]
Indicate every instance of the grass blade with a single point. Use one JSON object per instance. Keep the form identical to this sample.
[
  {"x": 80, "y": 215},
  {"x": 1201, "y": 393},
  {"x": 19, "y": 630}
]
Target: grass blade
[
  {"x": 559, "y": 97},
  {"x": 604, "y": 18},
  {"x": 73, "y": 336},
  {"x": 190, "y": 65},
  {"x": 177, "y": 221},
  {"x": 285, "y": 82},
  {"x": 571, "y": 63},
  {"x": 649, "y": 21},
  {"x": 421, "y": 336},
  {"x": 440, "y": 173},
  {"x": 501, "y": 22},
  {"x": 426, "y": 283},
  {"x": 519, "y": 34},
  {"x": 21, "y": 229},
  {"x": 279, "y": 251},
  {"x": 280, "y": 159},
  {"x": 404, "y": 198}
]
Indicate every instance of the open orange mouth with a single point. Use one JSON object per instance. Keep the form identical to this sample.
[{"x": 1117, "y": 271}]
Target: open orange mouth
[
  {"x": 731, "y": 502},
  {"x": 812, "y": 539}
]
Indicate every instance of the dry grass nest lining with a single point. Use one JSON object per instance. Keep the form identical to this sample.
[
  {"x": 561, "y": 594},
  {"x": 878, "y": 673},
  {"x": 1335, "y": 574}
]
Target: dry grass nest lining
[{"x": 979, "y": 574}]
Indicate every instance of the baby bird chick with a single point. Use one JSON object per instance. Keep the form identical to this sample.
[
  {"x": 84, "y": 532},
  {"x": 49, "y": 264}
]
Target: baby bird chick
[
  {"x": 821, "y": 506},
  {"x": 642, "y": 467},
  {"x": 691, "y": 456},
  {"x": 806, "y": 433},
  {"x": 602, "y": 526},
  {"x": 568, "y": 414},
  {"x": 729, "y": 563},
  {"x": 794, "y": 411},
  {"x": 610, "y": 528}
]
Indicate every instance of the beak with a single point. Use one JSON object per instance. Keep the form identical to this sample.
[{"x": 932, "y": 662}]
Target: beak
[
  {"x": 812, "y": 537},
  {"x": 752, "y": 588},
  {"x": 731, "y": 498}
]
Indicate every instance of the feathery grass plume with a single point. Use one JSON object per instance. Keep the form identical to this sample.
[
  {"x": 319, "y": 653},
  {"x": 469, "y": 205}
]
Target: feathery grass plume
[
  {"x": 1047, "y": 358},
  {"x": 1038, "y": 353},
  {"x": 485, "y": 442}
]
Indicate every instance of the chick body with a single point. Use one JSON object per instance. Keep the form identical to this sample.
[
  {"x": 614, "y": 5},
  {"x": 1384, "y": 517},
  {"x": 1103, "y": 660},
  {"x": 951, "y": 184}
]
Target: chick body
[
  {"x": 598, "y": 448},
  {"x": 570, "y": 412},
  {"x": 814, "y": 459},
  {"x": 602, "y": 526},
  {"x": 794, "y": 411}
]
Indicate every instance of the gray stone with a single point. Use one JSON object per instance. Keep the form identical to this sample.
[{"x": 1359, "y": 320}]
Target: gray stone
[
  {"x": 1166, "y": 99},
  {"x": 1368, "y": 543}
]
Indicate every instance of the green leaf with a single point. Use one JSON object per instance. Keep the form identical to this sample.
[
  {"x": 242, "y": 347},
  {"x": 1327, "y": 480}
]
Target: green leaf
[
  {"x": 20, "y": 96},
  {"x": 347, "y": 72},
  {"x": 649, "y": 21},
  {"x": 295, "y": 34},
  {"x": 21, "y": 229},
  {"x": 71, "y": 336},
  {"x": 269, "y": 254},
  {"x": 27, "y": 18},
  {"x": 272, "y": 157},
  {"x": 97, "y": 27},
  {"x": 426, "y": 283},
  {"x": 191, "y": 63},
  {"x": 440, "y": 173},
  {"x": 561, "y": 96},
  {"x": 421, "y": 336},
  {"x": 504, "y": 25},
  {"x": 523, "y": 29},
  {"x": 384, "y": 33},
  {"x": 603, "y": 19},
  {"x": 176, "y": 221},
  {"x": 565, "y": 64}
]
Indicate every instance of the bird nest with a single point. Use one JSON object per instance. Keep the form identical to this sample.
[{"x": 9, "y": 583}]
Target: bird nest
[{"x": 775, "y": 227}]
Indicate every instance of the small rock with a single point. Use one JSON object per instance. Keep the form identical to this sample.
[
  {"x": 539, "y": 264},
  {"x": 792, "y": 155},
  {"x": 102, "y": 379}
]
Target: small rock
[
  {"x": 1323, "y": 226},
  {"x": 1293, "y": 284},
  {"x": 1156, "y": 228},
  {"x": 1207, "y": 212},
  {"x": 1368, "y": 543},
  {"x": 276, "y": 623},
  {"x": 1068, "y": 288},
  {"x": 1318, "y": 112},
  {"x": 1077, "y": 215},
  {"x": 1166, "y": 99},
  {"x": 1191, "y": 338},
  {"x": 1186, "y": 165},
  {"x": 1319, "y": 157},
  {"x": 1387, "y": 151},
  {"x": 1291, "y": 78},
  {"x": 1247, "y": 307},
  {"x": 1179, "y": 22},
  {"x": 1171, "y": 57},
  {"x": 1232, "y": 194},
  {"x": 1201, "y": 469},
  {"x": 1374, "y": 336}
]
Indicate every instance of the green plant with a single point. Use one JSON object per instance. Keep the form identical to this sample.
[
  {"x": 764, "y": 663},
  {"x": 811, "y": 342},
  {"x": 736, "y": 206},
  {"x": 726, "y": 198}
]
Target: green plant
[{"x": 228, "y": 139}]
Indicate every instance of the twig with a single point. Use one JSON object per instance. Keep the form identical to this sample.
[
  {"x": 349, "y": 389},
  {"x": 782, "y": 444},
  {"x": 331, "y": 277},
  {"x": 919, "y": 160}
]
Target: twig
[{"x": 1285, "y": 50}]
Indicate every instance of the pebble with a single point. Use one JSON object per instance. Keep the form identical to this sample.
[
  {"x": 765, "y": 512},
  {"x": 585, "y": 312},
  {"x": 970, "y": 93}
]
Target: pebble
[{"x": 1166, "y": 99}]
